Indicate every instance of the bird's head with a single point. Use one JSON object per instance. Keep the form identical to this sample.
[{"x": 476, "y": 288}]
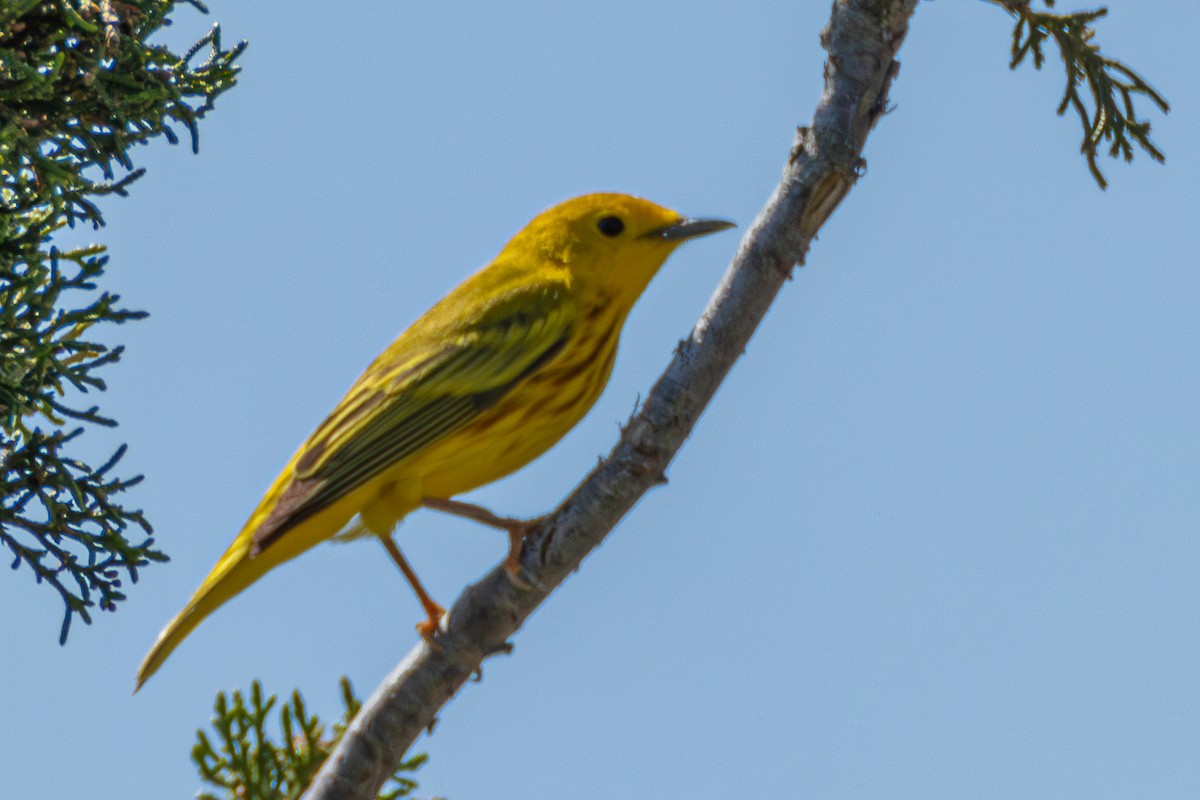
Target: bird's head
[{"x": 611, "y": 244}]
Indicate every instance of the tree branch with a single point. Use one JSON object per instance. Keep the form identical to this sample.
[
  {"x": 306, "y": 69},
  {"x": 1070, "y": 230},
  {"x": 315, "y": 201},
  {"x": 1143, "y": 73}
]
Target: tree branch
[{"x": 862, "y": 39}]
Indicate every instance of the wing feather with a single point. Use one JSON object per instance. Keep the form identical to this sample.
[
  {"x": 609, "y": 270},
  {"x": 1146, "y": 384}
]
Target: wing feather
[{"x": 413, "y": 396}]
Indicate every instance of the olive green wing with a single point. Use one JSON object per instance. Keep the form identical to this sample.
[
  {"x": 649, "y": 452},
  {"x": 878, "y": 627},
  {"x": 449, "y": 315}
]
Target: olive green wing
[{"x": 428, "y": 385}]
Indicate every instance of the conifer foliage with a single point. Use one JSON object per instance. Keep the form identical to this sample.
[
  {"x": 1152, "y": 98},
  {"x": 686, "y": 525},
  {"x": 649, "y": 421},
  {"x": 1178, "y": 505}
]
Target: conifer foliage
[
  {"x": 244, "y": 757},
  {"x": 1106, "y": 105},
  {"x": 80, "y": 86}
]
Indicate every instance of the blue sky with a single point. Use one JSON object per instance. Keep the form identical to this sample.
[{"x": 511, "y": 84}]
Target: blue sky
[{"x": 935, "y": 537}]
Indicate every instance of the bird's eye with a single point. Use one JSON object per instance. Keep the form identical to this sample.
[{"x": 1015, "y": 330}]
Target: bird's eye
[{"x": 611, "y": 226}]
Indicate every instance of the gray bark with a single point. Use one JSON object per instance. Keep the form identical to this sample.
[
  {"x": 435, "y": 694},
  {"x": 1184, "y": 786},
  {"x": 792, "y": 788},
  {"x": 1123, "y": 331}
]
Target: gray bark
[{"x": 862, "y": 39}]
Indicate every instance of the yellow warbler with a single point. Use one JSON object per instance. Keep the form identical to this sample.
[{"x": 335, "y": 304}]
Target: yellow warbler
[{"x": 487, "y": 380}]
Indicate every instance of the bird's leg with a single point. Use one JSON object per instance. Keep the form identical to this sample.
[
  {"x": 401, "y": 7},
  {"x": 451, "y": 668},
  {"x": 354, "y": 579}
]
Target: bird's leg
[
  {"x": 426, "y": 627},
  {"x": 516, "y": 528}
]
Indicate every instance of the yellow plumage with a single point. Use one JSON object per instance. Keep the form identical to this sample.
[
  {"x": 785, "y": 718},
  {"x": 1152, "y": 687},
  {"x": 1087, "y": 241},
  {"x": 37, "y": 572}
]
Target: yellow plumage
[{"x": 484, "y": 382}]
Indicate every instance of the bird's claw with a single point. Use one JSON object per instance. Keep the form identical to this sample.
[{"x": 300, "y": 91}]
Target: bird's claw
[{"x": 430, "y": 631}]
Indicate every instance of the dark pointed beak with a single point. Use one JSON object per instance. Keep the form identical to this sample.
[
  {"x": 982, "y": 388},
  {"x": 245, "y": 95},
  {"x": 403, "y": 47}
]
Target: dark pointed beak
[{"x": 689, "y": 229}]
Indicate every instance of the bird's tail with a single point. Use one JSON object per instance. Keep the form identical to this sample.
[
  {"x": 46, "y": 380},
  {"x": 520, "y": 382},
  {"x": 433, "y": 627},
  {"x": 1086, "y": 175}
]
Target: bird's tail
[
  {"x": 243, "y": 563},
  {"x": 239, "y": 567},
  {"x": 235, "y": 570}
]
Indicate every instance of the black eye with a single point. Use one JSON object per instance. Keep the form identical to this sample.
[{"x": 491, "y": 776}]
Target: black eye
[{"x": 611, "y": 226}]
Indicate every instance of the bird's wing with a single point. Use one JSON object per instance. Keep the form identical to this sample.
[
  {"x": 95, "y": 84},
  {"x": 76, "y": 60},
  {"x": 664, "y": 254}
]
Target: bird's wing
[{"x": 417, "y": 393}]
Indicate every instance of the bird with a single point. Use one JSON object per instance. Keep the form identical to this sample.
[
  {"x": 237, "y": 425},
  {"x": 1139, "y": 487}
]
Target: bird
[{"x": 484, "y": 382}]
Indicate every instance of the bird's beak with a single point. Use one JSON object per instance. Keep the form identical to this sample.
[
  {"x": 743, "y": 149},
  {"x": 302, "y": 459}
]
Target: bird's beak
[{"x": 689, "y": 229}]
